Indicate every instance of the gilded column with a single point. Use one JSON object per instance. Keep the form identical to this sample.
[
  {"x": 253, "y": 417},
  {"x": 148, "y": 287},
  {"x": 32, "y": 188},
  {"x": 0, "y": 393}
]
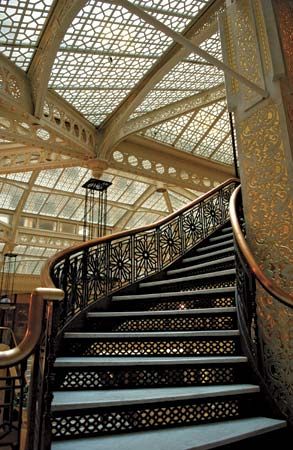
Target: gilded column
[{"x": 257, "y": 41}]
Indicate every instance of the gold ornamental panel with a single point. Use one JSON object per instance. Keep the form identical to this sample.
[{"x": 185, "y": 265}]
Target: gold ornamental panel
[{"x": 268, "y": 204}]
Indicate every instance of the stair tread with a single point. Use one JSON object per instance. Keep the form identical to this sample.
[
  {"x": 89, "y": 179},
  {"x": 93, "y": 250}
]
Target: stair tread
[
  {"x": 224, "y": 290},
  {"x": 150, "y": 334},
  {"x": 208, "y": 246},
  {"x": 226, "y": 229},
  {"x": 218, "y": 273},
  {"x": 179, "y": 312},
  {"x": 112, "y": 361},
  {"x": 208, "y": 255},
  {"x": 196, "y": 437},
  {"x": 201, "y": 265},
  {"x": 220, "y": 237},
  {"x": 83, "y": 399}
]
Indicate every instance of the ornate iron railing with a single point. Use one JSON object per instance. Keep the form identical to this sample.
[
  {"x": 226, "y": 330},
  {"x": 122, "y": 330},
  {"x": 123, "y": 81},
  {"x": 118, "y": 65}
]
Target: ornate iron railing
[
  {"x": 88, "y": 272},
  {"x": 38, "y": 341},
  {"x": 100, "y": 267},
  {"x": 12, "y": 385},
  {"x": 255, "y": 293}
]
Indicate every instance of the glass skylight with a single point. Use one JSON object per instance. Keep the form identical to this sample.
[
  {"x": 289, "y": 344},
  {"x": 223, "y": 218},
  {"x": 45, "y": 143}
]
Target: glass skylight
[
  {"x": 107, "y": 50},
  {"x": 23, "y": 177},
  {"x": 21, "y": 24},
  {"x": 156, "y": 201},
  {"x": 140, "y": 218},
  {"x": 35, "y": 202},
  {"x": 168, "y": 132},
  {"x": 9, "y": 196},
  {"x": 104, "y": 54},
  {"x": 177, "y": 200},
  {"x": 113, "y": 215}
]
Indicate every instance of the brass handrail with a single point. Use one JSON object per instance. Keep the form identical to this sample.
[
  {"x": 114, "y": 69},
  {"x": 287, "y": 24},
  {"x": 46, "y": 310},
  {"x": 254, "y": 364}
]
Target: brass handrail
[
  {"x": 46, "y": 279},
  {"x": 268, "y": 284},
  {"x": 17, "y": 354}
]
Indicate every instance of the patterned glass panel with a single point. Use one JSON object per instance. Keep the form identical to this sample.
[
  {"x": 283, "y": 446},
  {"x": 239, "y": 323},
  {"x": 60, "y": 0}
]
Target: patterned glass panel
[
  {"x": 177, "y": 200},
  {"x": 156, "y": 201},
  {"x": 169, "y": 131},
  {"x": 35, "y": 202},
  {"x": 22, "y": 22},
  {"x": 139, "y": 218},
  {"x": 9, "y": 196}
]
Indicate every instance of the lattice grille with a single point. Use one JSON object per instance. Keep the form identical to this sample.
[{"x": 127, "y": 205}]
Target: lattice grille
[
  {"x": 143, "y": 418},
  {"x": 207, "y": 283},
  {"x": 135, "y": 377},
  {"x": 173, "y": 323},
  {"x": 124, "y": 260},
  {"x": 214, "y": 257},
  {"x": 186, "y": 303},
  {"x": 156, "y": 347},
  {"x": 216, "y": 266}
]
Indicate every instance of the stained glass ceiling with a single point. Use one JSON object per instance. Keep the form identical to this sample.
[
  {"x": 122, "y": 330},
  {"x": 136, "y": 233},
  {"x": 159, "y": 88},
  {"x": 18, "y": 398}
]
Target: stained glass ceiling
[{"x": 103, "y": 59}]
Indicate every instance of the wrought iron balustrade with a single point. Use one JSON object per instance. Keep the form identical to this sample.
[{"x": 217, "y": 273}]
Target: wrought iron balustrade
[
  {"x": 12, "y": 395},
  {"x": 266, "y": 342},
  {"x": 95, "y": 269},
  {"x": 39, "y": 341}
]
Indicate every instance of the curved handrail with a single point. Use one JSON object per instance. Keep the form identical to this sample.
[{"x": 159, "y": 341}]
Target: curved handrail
[
  {"x": 268, "y": 284},
  {"x": 47, "y": 268},
  {"x": 19, "y": 353}
]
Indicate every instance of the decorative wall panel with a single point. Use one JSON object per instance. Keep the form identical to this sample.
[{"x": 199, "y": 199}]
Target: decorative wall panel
[
  {"x": 268, "y": 203},
  {"x": 266, "y": 177}
]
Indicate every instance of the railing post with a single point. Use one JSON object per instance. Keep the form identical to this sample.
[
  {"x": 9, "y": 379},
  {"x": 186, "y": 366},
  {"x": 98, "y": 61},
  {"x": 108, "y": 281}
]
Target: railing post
[{"x": 40, "y": 394}]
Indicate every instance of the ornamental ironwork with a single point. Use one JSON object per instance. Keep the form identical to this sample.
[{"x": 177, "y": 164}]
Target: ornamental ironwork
[{"x": 100, "y": 268}]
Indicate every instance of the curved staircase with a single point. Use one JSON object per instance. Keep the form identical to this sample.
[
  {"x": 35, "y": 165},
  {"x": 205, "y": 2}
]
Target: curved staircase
[{"x": 160, "y": 366}]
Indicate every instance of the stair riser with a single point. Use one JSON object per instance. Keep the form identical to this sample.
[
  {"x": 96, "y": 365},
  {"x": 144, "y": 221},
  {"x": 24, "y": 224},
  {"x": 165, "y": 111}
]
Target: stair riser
[
  {"x": 200, "y": 259},
  {"x": 101, "y": 421},
  {"x": 203, "y": 346},
  {"x": 211, "y": 246},
  {"x": 145, "y": 376},
  {"x": 184, "y": 302},
  {"x": 181, "y": 323},
  {"x": 191, "y": 271},
  {"x": 201, "y": 283},
  {"x": 220, "y": 238}
]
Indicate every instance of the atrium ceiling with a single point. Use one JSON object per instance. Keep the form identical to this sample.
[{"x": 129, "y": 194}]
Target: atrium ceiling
[{"x": 92, "y": 88}]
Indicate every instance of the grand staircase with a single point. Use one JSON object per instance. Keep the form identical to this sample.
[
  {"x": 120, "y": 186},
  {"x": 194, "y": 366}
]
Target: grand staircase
[{"x": 160, "y": 366}]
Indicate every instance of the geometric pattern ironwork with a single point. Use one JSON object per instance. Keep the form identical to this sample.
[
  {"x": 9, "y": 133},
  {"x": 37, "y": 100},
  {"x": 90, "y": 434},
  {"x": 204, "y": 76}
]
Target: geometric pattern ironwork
[
  {"x": 138, "y": 377},
  {"x": 111, "y": 420},
  {"x": 151, "y": 346}
]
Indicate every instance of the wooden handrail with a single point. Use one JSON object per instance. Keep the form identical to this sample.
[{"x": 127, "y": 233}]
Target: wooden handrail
[
  {"x": 46, "y": 271},
  {"x": 17, "y": 354},
  {"x": 268, "y": 284}
]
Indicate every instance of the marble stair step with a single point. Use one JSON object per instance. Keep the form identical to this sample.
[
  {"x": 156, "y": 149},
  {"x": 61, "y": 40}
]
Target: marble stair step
[
  {"x": 203, "y": 265},
  {"x": 221, "y": 237},
  {"x": 208, "y": 255},
  {"x": 144, "y": 314},
  {"x": 208, "y": 247},
  {"x": 117, "y": 361},
  {"x": 202, "y": 276},
  {"x": 227, "y": 230},
  {"x": 84, "y": 399},
  {"x": 196, "y": 437},
  {"x": 151, "y": 334},
  {"x": 167, "y": 295}
]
